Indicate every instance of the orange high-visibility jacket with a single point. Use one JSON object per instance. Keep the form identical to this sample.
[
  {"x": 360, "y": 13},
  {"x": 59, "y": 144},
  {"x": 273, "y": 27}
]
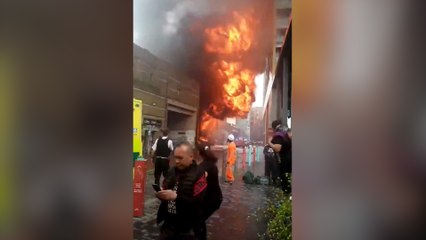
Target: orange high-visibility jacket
[{"x": 232, "y": 153}]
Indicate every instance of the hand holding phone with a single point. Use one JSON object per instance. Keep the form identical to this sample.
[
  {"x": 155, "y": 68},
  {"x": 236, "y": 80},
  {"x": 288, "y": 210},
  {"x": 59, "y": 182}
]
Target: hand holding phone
[{"x": 156, "y": 187}]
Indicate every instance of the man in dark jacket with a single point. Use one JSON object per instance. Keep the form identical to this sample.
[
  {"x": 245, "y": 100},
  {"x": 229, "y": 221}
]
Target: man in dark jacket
[
  {"x": 182, "y": 196},
  {"x": 281, "y": 144}
]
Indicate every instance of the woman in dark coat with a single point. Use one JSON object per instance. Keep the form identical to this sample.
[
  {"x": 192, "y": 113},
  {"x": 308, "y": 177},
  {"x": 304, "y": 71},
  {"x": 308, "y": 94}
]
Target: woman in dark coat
[{"x": 213, "y": 197}]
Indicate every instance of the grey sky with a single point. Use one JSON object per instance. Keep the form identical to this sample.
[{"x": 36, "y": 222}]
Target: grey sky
[{"x": 149, "y": 16}]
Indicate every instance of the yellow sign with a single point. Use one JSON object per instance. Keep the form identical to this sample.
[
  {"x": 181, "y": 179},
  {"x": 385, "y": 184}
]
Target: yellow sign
[
  {"x": 7, "y": 141},
  {"x": 137, "y": 126}
]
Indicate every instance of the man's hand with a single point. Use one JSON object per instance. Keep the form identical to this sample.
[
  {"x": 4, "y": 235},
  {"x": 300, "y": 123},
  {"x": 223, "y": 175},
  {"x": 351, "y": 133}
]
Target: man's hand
[{"x": 166, "y": 195}]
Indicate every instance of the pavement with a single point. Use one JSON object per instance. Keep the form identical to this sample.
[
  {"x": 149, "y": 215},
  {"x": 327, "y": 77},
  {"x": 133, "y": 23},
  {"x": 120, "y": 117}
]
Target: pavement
[{"x": 236, "y": 218}]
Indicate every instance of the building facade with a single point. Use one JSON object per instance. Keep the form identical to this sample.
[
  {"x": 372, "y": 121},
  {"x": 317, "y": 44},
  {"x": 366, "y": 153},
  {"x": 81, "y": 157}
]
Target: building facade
[
  {"x": 277, "y": 104},
  {"x": 257, "y": 124},
  {"x": 170, "y": 99}
]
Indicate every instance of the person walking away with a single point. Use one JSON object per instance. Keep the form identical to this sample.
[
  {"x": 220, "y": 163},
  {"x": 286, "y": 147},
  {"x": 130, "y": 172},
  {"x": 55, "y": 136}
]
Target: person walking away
[
  {"x": 162, "y": 149},
  {"x": 232, "y": 155},
  {"x": 281, "y": 144},
  {"x": 213, "y": 196},
  {"x": 181, "y": 197}
]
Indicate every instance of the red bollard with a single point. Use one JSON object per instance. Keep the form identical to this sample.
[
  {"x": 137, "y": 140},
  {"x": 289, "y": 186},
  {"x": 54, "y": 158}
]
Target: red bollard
[
  {"x": 244, "y": 156},
  {"x": 139, "y": 188}
]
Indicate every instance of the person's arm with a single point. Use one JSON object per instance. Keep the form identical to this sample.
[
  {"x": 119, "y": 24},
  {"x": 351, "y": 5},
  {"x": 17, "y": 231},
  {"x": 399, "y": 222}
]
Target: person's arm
[
  {"x": 154, "y": 148},
  {"x": 276, "y": 144},
  {"x": 170, "y": 145},
  {"x": 214, "y": 182}
]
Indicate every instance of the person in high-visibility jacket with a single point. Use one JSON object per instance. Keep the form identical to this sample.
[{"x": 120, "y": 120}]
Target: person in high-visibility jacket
[{"x": 232, "y": 157}]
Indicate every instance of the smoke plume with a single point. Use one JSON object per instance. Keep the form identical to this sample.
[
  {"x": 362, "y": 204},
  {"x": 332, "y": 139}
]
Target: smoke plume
[
  {"x": 221, "y": 43},
  {"x": 187, "y": 24}
]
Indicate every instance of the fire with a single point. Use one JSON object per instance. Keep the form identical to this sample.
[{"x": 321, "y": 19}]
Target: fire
[
  {"x": 232, "y": 38},
  {"x": 208, "y": 123},
  {"x": 238, "y": 85},
  {"x": 229, "y": 44}
]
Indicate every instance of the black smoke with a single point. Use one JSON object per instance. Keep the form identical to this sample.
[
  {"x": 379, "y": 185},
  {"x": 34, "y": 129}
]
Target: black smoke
[{"x": 175, "y": 32}]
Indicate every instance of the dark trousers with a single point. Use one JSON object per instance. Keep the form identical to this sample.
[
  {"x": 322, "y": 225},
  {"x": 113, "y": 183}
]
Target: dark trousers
[
  {"x": 285, "y": 175},
  {"x": 161, "y": 167},
  {"x": 202, "y": 235},
  {"x": 201, "y": 231},
  {"x": 286, "y": 182},
  {"x": 271, "y": 169},
  {"x": 168, "y": 232}
]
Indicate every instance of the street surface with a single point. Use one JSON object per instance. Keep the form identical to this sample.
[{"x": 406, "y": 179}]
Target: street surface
[{"x": 235, "y": 219}]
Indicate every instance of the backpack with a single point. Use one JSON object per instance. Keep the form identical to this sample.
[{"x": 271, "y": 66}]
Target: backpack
[
  {"x": 248, "y": 177},
  {"x": 268, "y": 152},
  {"x": 257, "y": 180}
]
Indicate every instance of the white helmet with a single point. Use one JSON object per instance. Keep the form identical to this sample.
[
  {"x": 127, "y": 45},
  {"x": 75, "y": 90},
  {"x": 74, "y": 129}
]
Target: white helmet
[{"x": 231, "y": 137}]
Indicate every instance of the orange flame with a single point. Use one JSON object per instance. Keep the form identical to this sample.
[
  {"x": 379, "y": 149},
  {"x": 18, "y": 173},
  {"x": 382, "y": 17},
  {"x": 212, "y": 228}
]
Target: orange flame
[
  {"x": 229, "y": 44},
  {"x": 232, "y": 38},
  {"x": 208, "y": 123},
  {"x": 238, "y": 85}
]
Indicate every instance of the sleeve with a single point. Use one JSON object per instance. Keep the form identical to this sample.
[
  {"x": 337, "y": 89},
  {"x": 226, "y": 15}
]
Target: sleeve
[
  {"x": 215, "y": 198},
  {"x": 170, "y": 145},
  {"x": 154, "y": 147},
  {"x": 164, "y": 184},
  {"x": 278, "y": 140},
  {"x": 215, "y": 180}
]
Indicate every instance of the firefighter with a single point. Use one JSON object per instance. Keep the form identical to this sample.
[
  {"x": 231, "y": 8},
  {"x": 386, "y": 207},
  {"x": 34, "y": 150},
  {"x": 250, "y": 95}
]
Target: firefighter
[{"x": 232, "y": 156}]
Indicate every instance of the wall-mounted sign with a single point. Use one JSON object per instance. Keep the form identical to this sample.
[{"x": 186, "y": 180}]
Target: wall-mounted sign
[
  {"x": 137, "y": 121},
  {"x": 152, "y": 122}
]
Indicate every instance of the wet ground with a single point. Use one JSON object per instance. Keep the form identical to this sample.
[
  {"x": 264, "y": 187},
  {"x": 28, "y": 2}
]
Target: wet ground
[{"x": 236, "y": 219}]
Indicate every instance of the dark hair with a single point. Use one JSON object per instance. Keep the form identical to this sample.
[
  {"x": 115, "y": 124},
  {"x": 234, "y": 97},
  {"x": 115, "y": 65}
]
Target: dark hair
[
  {"x": 206, "y": 153},
  {"x": 165, "y": 131},
  {"x": 275, "y": 124}
]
